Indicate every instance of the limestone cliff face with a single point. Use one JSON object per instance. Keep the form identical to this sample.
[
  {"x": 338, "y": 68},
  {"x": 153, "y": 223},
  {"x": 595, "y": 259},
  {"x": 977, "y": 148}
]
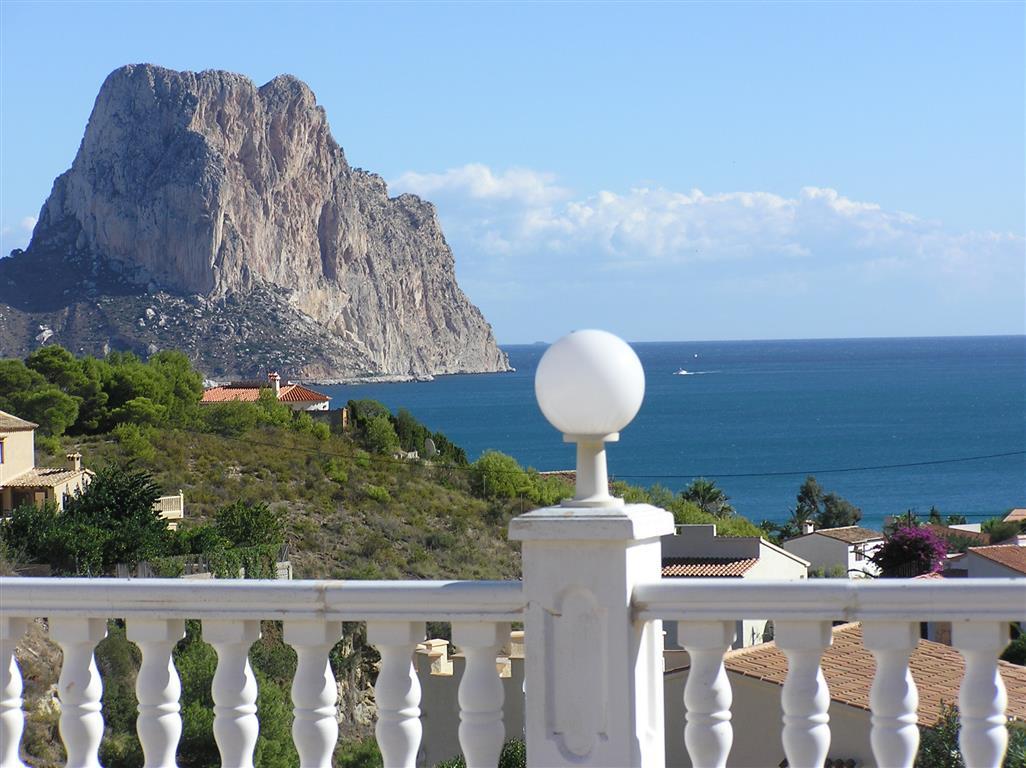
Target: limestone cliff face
[{"x": 205, "y": 185}]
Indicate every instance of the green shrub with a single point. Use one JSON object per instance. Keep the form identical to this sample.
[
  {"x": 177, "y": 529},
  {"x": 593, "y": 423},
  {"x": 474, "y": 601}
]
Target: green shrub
[{"x": 377, "y": 493}]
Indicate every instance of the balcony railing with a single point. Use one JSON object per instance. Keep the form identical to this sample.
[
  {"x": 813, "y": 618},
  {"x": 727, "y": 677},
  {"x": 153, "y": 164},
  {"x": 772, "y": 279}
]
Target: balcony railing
[
  {"x": 575, "y": 698},
  {"x": 592, "y": 603}
]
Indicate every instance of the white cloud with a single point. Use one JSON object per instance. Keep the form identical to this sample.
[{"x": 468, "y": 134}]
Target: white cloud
[
  {"x": 479, "y": 182},
  {"x": 520, "y": 227}
]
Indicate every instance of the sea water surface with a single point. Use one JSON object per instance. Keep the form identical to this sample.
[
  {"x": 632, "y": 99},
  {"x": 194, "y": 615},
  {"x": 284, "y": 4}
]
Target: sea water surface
[{"x": 758, "y": 416}]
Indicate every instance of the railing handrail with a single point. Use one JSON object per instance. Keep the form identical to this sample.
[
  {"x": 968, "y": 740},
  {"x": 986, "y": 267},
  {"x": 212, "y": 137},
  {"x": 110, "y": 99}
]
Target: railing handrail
[
  {"x": 992, "y": 599},
  {"x": 493, "y": 601}
]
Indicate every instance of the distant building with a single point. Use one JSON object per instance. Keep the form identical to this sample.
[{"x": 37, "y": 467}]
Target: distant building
[
  {"x": 696, "y": 552},
  {"x": 998, "y": 561},
  {"x": 21, "y": 481},
  {"x": 296, "y": 396},
  {"x": 849, "y": 547},
  {"x": 1016, "y": 516}
]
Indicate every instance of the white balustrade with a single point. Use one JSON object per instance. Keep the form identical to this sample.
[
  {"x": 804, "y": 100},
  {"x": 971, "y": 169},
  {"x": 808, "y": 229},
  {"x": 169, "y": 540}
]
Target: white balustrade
[
  {"x": 893, "y": 697},
  {"x": 158, "y": 689},
  {"x": 982, "y": 698},
  {"x": 397, "y": 691},
  {"x": 12, "y": 718},
  {"x": 234, "y": 690},
  {"x": 481, "y": 730},
  {"x": 564, "y": 641},
  {"x": 805, "y": 697},
  {"x": 707, "y": 697},
  {"x": 314, "y": 693},
  {"x": 80, "y": 688}
]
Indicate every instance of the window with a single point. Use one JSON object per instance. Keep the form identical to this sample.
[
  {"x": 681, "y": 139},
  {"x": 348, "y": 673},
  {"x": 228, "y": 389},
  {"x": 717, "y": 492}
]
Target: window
[
  {"x": 860, "y": 552},
  {"x": 1, "y": 451}
]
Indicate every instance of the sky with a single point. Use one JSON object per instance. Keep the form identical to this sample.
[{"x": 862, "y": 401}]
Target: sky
[{"x": 666, "y": 171}]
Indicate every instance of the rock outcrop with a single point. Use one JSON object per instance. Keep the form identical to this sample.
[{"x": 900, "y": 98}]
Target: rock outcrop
[{"x": 203, "y": 212}]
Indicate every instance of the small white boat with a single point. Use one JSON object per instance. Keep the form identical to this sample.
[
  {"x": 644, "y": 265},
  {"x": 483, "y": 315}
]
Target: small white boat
[{"x": 680, "y": 372}]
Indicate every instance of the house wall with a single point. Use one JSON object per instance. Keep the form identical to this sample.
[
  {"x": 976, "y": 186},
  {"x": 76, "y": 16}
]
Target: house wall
[
  {"x": 757, "y": 718},
  {"x": 440, "y": 712},
  {"x": 19, "y": 455},
  {"x": 870, "y": 548},
  {"x": 821, "y": 551},
  {"x": 66, "y": 489},
  {"x": 982, "y": 568}
]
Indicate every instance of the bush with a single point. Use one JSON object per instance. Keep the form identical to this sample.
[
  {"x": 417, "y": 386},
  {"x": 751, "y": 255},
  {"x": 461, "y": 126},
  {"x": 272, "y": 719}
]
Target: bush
[
  {"x": 910, "y": 551},
  {"x": 938, "y": 745},
  {"x": 377, "y": 493}
]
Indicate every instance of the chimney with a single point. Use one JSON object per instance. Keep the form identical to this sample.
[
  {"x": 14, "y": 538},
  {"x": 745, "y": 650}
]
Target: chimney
[
  {"x": 74, "y": 461},
  {"x": 275, "y": 380},
  {"x": 808, "y": 526}
]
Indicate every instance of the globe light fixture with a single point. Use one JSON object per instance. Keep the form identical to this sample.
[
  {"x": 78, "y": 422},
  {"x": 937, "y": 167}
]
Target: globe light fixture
[{"x": 590, "y": 385}]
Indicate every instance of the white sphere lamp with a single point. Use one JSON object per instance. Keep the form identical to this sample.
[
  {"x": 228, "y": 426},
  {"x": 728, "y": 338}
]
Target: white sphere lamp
[{"x": 590, "y": 385}]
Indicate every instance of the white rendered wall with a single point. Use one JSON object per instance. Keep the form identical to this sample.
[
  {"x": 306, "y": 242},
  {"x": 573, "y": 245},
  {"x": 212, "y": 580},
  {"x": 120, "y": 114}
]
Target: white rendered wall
[
  {"x": 757, "y": 718},
  {"x": 440, "y": 712},
  {"x": 983, "y": 568},
  {"x": 821, "y": 551}
]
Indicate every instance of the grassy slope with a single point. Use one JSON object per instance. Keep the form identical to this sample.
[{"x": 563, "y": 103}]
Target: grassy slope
[{"x": 340, "y": 523}]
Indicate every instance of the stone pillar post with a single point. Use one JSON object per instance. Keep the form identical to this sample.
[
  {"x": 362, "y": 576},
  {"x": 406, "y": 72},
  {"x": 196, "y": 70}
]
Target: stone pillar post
[{"x": 594, "y": 677}]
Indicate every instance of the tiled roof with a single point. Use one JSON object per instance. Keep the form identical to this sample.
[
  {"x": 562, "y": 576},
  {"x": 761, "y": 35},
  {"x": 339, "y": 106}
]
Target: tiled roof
[
  {"x": 1008, "y": 555},
  {"x": 229, "y": 394},
  {"x": 44, "y": 477},
  {"x": 1016, "y": 516},
  {"x": 297, "y": 393},
  {"x": 852, "y": 534},
  {"x": 706, "y": 567},
  {"x": 11, "y": 423},
  {"x": 946, "y": 532},
  {"x": 848, "y": 668},
  {"x": 249, "y": 392}
]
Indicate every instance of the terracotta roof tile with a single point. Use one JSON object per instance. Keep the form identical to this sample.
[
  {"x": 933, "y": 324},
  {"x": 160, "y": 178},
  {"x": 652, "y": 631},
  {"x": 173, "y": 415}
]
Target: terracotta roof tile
[
  {"x": 1009, "y": 555},
  {"x": 229, "y": 394},
  {"x": 44, "y": 477},
  {"x": 946, "y": 532},
  {"x": 706, "y": 567},
  {"x": 848, "y": 668},
  {"x": 297, "y": 393},
  {"x": 11, "y": 423},
  {"x": 852, "y": 534}
]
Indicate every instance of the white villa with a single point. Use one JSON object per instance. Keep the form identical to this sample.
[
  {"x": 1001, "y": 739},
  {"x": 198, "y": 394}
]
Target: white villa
[
  {"x": 593, "y": 605},
  {"x": 849, "y": 548},
  {"x": 696, "y": 552}
]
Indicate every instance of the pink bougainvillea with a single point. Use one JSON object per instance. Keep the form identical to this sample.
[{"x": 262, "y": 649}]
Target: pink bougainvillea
[{"x": 911, "y": 551}]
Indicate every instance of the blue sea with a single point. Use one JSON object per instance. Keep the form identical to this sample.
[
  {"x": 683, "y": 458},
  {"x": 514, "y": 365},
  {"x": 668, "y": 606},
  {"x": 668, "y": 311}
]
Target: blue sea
[{"x": 758, "y": 416}]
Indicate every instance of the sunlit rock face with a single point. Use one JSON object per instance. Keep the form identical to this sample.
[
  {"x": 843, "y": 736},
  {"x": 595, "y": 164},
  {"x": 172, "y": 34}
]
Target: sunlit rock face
[{"x": 236, "y": 199}]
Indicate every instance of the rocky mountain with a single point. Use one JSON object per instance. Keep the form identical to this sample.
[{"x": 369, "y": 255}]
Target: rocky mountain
[{"x": 207, "y": 214}]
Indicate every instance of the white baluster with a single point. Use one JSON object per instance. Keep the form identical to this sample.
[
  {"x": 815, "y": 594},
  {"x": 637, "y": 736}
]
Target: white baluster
[
  {"x": 893, "y": 697},
  {"x": 982, "y": 698},
  {"x": 805, "y": 698},
  {"x": 158, "y": 689},
  {"x": 80, "y": 689},
  {"x": 315, "y": 727},
  {"x": 234, "y": 690},
  {"x": 480, "y": 695},
  {"x": 397, "y": 691},
  {"x": 12, "y": 718},
  {"x": 707, "y": 697}
]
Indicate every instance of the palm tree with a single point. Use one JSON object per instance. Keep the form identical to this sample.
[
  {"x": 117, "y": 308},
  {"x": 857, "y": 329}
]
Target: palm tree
[{"x": 708, "y": 497}]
